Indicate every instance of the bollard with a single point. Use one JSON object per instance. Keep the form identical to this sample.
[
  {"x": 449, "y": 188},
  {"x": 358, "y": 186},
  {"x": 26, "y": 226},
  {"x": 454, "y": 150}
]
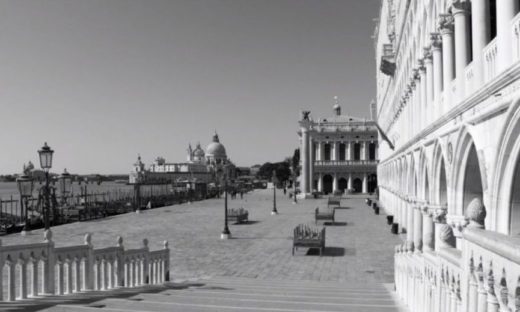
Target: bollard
[
  {"x": 389, "y": 220},
  {"x": 374, "y": 205},
  {"x": 395, "y": 228},
  {"x": 369, "y": 202},
  {"x": 376, "y": 210}
]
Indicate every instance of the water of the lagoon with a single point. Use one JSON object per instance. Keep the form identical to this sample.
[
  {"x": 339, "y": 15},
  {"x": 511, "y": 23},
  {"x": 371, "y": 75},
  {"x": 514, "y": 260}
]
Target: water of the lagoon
[{"x": 8, "y": 189}]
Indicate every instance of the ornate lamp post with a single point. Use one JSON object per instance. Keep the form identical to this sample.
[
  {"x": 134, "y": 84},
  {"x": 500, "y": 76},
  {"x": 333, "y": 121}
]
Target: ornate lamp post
[
  {"x": 226, "y": 234},
  {"x": 65, "y": 185},
  {"x": 275, "y": 180},
  {"x": 25, "y": 187},
  {"x": 45, "y": 154}
]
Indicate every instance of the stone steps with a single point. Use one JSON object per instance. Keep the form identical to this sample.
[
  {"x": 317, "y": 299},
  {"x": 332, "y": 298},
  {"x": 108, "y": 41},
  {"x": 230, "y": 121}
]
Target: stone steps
[{"x": 243, "y": 294}]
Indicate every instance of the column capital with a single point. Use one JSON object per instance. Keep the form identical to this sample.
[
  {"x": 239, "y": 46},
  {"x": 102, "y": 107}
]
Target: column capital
[
  {"x": 421, "y": 67},
  {"x": 460, "y": 7},
  {"x": 427, "y": 55},
  {"x": 439, "y": 214},
  {"x": 436, "y": 40},
  {"x": 445, "y": 23}
]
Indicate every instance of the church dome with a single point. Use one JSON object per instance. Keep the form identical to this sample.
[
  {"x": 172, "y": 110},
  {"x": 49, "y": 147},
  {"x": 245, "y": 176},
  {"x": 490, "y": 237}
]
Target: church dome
[
  {"x": 198, "y": 152},
  {"x": 215, "y": 149}
]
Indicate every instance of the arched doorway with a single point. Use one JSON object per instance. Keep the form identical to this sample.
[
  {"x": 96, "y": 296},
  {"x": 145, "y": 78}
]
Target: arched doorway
[
  {"x": 342, "y": 185},
  {"x": 472, "y": 178},
  {"x": 327, "y": 184},
  {"x": 372, "y": 183},
  {"x": 357, "y": 185}
]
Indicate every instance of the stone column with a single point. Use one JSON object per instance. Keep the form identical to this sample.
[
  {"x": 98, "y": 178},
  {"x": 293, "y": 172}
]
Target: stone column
[
  {"x": 348, "y": 148},
  {"x": 362, "y": 151},
  {"x": 365, "y": 183},
  {"x": 480, "y": 37},
  {"x": 428, "y": 64},
  {"x": 335, "y": 183},
  {"x": 311, "y": 164},
  {"x": 336, "y": 150},
  {"x": 506, "y": 10},
  {"x": 437, "y": 71},
  {"x": 448, "y": 69},
  {"x": 320, "y": 182},
  {"x": 462, "y": 49},
  {"x": 417, "y": 222},
  {"x": 305, "y": 161},
  {"x": 349, "y": 182},
  {"x": 423, "y": 106},
  {"x": 409, "y": 222},
  {"x": 428, "y": 233}
]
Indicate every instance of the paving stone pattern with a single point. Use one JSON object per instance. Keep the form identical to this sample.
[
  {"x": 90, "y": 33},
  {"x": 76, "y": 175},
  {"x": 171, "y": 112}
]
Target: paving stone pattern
[{"x": 358, "y": 248}]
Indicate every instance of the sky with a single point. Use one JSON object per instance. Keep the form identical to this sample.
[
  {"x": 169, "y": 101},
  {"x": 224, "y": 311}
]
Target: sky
[{"x": 102, "y": 81}]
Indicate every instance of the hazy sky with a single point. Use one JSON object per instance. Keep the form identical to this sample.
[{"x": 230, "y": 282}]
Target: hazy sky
[{"x": 104, "y": 80}]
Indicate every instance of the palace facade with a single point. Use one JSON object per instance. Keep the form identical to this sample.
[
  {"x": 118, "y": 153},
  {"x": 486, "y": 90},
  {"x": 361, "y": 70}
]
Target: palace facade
[
  {"x": 448, "y": 99},
  {"x": 338, "y": 154}
]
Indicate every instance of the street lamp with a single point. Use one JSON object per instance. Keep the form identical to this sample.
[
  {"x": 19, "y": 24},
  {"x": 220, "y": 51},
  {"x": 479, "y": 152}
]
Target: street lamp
[
  {"x": 226, "y": 234},
  {"x": 25, "y": 187},
  {"x": 46, "y": 164},
  {"x": 65, "y": 185},
  {"x": 275, "y": 180}
]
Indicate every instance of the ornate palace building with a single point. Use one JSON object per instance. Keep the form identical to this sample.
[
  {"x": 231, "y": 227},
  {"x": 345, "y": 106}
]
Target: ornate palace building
[
  {"x": 448, "y": 98},
  {"x": 338, "y": 154}
]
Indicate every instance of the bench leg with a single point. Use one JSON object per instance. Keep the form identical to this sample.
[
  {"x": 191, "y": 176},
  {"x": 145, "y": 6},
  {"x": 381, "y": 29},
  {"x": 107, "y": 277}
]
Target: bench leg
[{"x": 293, "y": 251}]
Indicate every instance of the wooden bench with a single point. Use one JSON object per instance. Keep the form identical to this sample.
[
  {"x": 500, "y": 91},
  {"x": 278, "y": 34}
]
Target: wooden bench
[
  {"x": 334, "y": 201},
  {"x": 324, "y": 214},
  {"x": 238, "y": 215},
  {"x": 305, "y": 236}
]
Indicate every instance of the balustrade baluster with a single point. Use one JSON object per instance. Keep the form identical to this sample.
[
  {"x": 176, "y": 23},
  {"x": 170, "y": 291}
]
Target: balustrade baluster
[
  {"x": 23, "y": 279},
  {"x": 110, "y": 273},
  {"x": 77, "y": 273},
  {"x": 34, "y": 277},
  {"x": 103, "y": 273},
  {"x": 11, "y": 281},
  {"x": 85, "y": 274},
  {"x": 492, "y": 302},
  {"x": 97, "y": 274},
  {"x": 131, "y": 273},
  {"x": 59, "y": 277},
  {"x": 68, "y": 290},
  {"x": 161, "y": 271}
]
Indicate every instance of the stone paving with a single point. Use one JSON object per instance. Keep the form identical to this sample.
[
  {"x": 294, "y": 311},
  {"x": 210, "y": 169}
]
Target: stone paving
[{"x": 359, "y": 247}]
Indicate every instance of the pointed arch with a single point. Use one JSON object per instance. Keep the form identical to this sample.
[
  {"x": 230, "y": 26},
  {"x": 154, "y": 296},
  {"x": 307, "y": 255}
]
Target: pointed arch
[
  {"x": 468, "y": 176},
  {"x": 505, "y": 179},
  {"x": 439, "y": 176}
]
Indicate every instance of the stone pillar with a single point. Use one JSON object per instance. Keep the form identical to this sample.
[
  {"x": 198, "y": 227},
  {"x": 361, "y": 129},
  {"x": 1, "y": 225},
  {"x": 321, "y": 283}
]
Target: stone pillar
[
  {"x": 349, "y": 182},
  {"x": 506, "y": 10},
  {"x": 348, "y": 150},
  {"x": 439, "y": 219},
  {"x": 428, "y": 231},
  {"x": 437, "y": 71},
  {"x": 311, "y": 165},
  {"x": 417, "y": 229},
  {"x": 336, "y": 150},
  {"x": 409, "y": 222},
  {"x": 423, "y": 106},
  {"x": 365, "y": 183},
  {"x": 362, "y": 155},
  {"x": 428, "y": 65},
  {"x": 320, "y": 182},
  {"x": 448, "y": 69},
  {"x": 335, "y": 183},
  {"x": 322, "y": 151},
  {"x": 462, "y": 47},
  {"x": 305, "y": 162},
  {"x": 480, "y": 37}
]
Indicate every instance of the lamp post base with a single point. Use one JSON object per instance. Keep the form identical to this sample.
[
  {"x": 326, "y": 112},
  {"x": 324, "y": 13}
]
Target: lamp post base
[
  {"x": 138, "y": 211},
  {"x": 25, "y": 232},
  {"x": 274, "y": 213},
  {"x": 225, "y": 235}
]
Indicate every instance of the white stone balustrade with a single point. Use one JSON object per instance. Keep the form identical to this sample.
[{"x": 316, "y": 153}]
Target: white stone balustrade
[
  {"x": 72, "y": 269},
  {"x": 490, "y": 60},
  {"x": 480, "y": 276}
]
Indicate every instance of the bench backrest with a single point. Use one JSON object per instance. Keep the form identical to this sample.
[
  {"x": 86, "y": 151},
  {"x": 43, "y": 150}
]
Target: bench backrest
[
  {"x": 333, "y": 201},
  {"x": 303, "y": 231}
]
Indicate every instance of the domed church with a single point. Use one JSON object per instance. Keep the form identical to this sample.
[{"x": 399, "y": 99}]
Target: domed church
[{"x": 216, "y": 152}]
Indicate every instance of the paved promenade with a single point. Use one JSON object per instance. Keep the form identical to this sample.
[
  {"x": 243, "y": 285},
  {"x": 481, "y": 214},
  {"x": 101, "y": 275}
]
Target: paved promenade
[{"x": 359, "y": 247}]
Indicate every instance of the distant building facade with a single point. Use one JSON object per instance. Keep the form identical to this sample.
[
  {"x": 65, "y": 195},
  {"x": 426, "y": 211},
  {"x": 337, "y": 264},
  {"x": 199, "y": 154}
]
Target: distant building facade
[
  {"x": 448, "y": 98},
  {"x": 338, "y": 154},
  {"x": 201, "y": 166}
]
